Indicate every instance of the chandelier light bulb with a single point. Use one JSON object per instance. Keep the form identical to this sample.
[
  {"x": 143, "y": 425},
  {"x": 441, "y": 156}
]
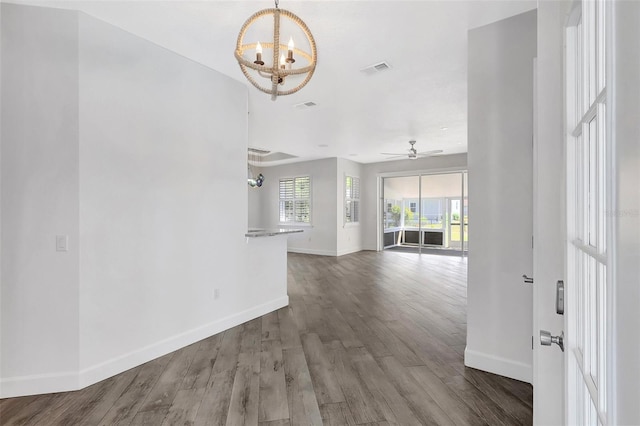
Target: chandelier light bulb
[
  {"x": 290, "y": 46},
  {"x": 258, "y": 60},
  {"x": 282, "y": 60}
]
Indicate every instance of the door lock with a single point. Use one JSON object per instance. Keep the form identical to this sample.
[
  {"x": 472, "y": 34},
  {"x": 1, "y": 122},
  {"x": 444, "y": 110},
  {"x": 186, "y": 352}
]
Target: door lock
[
  {"x": 546, "y": 339},
  {"x": 560, "y": 297},
  {"x": 527, "y": 280}
]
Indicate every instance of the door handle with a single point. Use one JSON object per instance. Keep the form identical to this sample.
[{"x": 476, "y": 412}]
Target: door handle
[
  {"x": 527, "y": 280},
  {"x": 546, "y": 339}
]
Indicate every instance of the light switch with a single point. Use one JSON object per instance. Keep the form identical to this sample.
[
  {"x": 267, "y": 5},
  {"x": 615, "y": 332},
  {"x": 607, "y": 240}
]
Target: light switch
[{"x": 62, "y": 243}]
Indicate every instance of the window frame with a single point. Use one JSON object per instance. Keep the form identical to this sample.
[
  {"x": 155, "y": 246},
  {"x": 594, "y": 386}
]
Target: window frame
[
  {"x": 351, "y": 199},
  {"x": 295, "y": 199}
]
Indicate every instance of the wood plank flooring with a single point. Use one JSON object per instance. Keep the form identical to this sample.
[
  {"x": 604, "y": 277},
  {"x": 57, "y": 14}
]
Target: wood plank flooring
[{"x": 368, "y": 339}]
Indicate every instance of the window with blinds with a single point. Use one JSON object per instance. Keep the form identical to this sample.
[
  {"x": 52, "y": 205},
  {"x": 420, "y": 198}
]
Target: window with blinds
[
  {"x": 352, "y": 199},
  {"x": 295, "y": 200}
]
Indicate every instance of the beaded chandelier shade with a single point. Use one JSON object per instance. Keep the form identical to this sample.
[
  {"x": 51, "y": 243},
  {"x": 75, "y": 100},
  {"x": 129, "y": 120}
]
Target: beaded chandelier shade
[{"x": 280, "y": 77}]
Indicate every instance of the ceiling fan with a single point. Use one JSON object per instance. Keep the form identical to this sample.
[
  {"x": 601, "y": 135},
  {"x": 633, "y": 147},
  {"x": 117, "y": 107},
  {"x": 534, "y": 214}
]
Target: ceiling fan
[{"x": 413, "y": 153}]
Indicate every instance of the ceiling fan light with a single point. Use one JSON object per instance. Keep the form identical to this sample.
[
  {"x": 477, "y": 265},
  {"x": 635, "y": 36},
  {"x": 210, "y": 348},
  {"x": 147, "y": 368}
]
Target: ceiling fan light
[{"x": 413, "y": 153}]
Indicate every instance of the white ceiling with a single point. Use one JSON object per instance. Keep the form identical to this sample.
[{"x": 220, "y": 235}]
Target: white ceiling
[{"x": 422, "y": 97}]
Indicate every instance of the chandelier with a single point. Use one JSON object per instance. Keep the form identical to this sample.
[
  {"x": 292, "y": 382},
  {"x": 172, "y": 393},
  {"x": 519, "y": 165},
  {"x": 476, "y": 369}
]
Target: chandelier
[{"x": 280, "y": 77}]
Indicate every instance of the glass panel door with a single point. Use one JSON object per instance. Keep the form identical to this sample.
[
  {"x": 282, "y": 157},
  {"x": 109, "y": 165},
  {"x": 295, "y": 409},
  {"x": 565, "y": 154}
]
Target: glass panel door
[
  {"x": 424, "y": 212},
  {"x": 465, "y": 212},
  {"x": 454, "y": 221},
  {"x": 588, "y": 341},
  {"x": 401, "y": 209},
  {"x": 439, "y": 210}
]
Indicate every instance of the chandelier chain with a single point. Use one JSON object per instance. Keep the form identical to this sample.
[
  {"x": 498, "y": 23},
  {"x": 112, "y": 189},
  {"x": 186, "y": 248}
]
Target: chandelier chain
[
  {"x": 275, "y": 77},
  {"x": 277, "y": 2}
]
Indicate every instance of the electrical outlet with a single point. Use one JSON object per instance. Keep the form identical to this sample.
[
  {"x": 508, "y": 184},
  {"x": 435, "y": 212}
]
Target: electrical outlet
[
  {"x": 216, "y": 293},
  {"x": 62, "y": 243}
]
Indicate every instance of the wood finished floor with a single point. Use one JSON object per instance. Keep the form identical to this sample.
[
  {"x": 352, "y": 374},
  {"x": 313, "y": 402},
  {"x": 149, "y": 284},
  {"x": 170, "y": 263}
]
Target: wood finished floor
[{"x": 369, "y": 338}]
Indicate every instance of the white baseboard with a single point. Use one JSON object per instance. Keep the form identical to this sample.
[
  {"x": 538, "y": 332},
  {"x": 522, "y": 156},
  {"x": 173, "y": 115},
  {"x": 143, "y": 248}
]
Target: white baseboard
[
  {"x": 38, "y": 383},
  {"x": 323, "y": 252},
  {"x": 69, "y": 381},
  {"x": 498, "y": 365},
  {"x": 318, "y": 252},
  {"x": 349, "y": 251}
]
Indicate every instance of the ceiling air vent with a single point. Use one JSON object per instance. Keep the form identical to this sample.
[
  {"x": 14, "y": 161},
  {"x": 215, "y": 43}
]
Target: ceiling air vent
[
  {"x": 376, "y": 68},
  {"x": 304, "y": 105}
]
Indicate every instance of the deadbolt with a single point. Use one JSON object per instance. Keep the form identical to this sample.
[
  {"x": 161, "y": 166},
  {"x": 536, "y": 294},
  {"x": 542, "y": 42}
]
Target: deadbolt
[
  {"x": 546, "y": 339},
  {"x": 560, "y": 297}
]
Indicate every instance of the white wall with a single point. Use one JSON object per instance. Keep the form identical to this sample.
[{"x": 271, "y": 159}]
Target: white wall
[
  {"x": 39, "y": 286},
  {"x": 500, "y": 127},
  {"x": 157, "y": 172},
  {"x": 134, "y": 152},
  {"x": 625, "y": 110},
  {"x": 370, "y": 182},
  {"x": 320, "y": 236}
]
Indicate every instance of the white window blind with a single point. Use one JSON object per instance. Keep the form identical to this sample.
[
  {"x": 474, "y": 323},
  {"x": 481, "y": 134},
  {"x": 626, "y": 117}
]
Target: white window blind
[
  {"x": 295, "y": 200},
  {"x": 352, "y": 199}
]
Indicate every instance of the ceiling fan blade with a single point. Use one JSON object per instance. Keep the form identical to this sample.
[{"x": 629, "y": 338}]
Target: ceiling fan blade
[
  {"x": 394, "y": 153},
  {"x": 396, "y": 156},
  {"x": 427, "y": 153}
]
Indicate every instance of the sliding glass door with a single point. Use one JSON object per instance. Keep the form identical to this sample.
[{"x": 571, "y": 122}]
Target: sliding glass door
[
  {"x": 425, "y": 212},
  {"x": 400, "y": 212},
  {"x": 453, "y": 221}
]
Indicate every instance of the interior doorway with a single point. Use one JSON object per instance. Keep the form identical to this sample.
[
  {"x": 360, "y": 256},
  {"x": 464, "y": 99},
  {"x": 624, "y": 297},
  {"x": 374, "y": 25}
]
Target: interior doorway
[{"x": 425, "y": 213}]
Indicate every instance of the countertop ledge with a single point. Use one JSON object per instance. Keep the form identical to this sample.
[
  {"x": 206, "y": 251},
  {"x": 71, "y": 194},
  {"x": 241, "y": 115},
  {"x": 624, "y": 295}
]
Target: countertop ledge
[{"x": 254, "y": 233}]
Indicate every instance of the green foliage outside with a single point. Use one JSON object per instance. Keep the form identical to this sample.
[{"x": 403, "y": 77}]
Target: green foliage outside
[
  {"x": 395, "y": 215},
  {"x": 408, "y": 214},
  {"x": 455, "y": 232}
]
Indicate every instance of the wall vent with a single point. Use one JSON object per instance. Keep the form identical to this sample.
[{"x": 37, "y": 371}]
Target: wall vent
[
  {"x": 376, "y": 68},
  {"x": 304, "y": 105}
]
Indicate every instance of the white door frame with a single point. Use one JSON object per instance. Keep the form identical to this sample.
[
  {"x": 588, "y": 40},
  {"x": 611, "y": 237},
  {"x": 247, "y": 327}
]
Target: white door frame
[{"x": 549, "y": 212}]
